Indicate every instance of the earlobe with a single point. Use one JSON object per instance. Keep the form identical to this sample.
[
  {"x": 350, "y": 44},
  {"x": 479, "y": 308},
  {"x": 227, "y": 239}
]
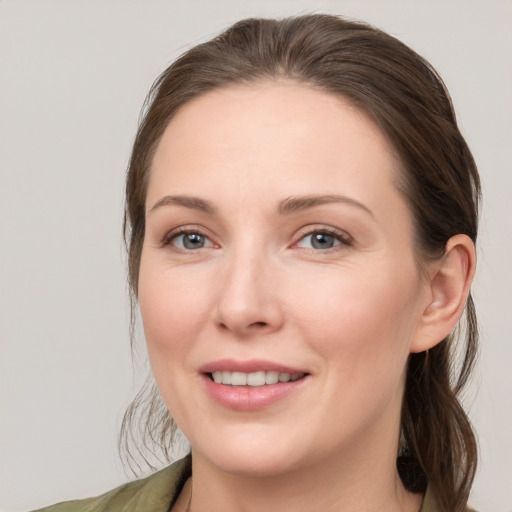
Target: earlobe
[{"x": 449, "y": 283}]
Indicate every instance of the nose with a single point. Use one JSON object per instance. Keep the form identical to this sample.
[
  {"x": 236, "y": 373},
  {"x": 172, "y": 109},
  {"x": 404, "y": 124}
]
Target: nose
[{"x": 248, "y": 303}]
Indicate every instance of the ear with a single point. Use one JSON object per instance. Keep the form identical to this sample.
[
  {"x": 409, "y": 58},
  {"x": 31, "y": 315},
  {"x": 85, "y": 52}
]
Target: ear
[{"x": 449, "y": 283}]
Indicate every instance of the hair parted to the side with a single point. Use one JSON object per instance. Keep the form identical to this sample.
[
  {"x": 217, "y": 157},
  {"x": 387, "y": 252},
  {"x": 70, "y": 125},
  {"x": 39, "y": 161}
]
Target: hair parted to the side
[{"x": 409, "y": 102}]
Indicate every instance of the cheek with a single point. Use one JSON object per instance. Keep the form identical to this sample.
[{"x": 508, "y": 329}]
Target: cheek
[
  {"x": 361, "y": 325},
  {"x": 360, "y": 312},
  {"x": 174, "y": 308}
]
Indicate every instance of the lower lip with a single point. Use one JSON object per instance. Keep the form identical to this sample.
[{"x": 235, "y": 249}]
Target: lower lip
[{"x": 248, "y": 398}]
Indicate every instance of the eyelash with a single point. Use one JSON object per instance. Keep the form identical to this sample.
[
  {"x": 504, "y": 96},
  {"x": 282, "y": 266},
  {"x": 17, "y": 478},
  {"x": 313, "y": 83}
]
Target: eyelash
[
  {"x": 343, "y": 238},
  {"x": 173, "y": 235}
]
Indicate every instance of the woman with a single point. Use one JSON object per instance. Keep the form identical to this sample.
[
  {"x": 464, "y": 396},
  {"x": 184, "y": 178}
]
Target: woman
[{"x": 301, "y": 213}]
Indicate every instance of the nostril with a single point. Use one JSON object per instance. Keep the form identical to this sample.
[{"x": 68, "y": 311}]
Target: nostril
[{"x": 258, "y": 324}]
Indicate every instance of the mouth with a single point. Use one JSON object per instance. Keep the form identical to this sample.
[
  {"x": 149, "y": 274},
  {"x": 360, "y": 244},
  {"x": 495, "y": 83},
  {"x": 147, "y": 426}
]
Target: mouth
[
  {"x": 253, "y": 379},
  {"x": 251, "y": 385}
]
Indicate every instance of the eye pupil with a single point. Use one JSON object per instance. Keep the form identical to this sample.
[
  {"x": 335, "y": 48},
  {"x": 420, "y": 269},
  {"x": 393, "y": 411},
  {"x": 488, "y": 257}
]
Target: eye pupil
[
  {"x": 193, "y": 241},
  {"x": 322, "y": 241}
]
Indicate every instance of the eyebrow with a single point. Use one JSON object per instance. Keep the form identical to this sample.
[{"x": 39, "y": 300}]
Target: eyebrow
[
  {"x": 194, "y": 203},
  {"x": 288, "y": 206},
  {"x": 298, "y": 204}
]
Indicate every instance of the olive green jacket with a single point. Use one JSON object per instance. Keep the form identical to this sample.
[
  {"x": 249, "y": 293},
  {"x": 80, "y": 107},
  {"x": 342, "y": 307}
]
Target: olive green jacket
[{"x": 156, "y": 493}]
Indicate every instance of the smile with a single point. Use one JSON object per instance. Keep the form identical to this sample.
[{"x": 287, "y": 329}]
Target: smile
[
  {"x": 251, "y": 385},
  {"x": 254, "y": 379}
]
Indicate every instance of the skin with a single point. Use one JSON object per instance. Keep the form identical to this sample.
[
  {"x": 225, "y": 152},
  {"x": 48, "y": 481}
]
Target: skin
[{"x": 348, "y": 315}]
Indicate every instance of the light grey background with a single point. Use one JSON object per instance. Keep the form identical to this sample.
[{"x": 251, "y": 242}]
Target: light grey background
[{"x": 73, "y": 75}]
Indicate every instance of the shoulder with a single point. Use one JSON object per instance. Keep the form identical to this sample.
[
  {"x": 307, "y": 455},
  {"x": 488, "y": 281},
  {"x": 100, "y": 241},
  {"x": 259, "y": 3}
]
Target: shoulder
[{"x": 152, "y": 494}]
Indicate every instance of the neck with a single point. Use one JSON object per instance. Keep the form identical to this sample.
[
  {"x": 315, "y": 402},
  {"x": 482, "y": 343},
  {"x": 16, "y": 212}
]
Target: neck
[{"x": 336, "y": 483}]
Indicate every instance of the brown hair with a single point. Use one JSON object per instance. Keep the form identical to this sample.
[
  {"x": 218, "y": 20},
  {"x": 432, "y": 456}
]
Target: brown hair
[{"x": 408, "y": 100}]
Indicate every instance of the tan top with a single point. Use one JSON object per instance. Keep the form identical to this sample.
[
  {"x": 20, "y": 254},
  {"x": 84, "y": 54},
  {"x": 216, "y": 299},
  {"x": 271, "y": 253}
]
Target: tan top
[{"x": 156, "y": 493}]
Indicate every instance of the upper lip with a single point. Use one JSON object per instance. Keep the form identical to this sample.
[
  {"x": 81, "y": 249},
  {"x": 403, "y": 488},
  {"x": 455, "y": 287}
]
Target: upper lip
[{"x": 250, "y": 366}]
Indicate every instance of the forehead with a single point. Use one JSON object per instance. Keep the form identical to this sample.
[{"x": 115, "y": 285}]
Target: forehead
[{"x": 296, "y": 138}]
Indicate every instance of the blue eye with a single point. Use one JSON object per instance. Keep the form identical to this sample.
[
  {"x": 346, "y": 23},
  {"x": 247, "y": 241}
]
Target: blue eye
[
  {"x": 190, "y": 241},
  {"x": 322, "y": 240}
]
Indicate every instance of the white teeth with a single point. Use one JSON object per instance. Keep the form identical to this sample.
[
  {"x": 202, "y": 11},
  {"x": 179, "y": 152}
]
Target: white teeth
[
  {"x": 271, "y": 377},
  {"x": 254, "y": 379},
  {"x": 238, "y": 379}
]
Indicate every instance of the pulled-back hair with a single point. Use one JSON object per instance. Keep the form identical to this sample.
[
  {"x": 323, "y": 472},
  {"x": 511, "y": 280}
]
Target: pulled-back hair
[{"x": 409, "y": 102}]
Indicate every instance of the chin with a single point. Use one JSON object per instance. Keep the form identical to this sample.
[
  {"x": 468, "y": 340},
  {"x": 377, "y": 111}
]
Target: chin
[
  {"x": 262, "y": 458},
  {"x": 264, "y": 465}
]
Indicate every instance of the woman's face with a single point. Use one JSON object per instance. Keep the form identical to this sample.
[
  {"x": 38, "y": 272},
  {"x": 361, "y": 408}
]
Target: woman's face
[{"x": 278, "y": 248}]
